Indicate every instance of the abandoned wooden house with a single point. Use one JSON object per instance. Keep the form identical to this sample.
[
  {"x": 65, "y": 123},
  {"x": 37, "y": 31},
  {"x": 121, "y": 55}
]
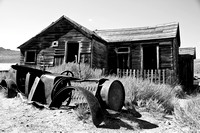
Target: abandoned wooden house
[
  {"x": 61, "y": 42},
  {"x": 144, "y": 48},
  {"x": 186, "y": 71}
]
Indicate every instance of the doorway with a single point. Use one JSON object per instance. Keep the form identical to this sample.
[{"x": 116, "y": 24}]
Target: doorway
[
  {"x": 149, "y": 57},
  {"x": 72, "y": 52},
  {"x": 123, "y": 61}
]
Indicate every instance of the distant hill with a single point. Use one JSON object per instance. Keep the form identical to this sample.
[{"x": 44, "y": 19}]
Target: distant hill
[{"x": 9, "y": 56}]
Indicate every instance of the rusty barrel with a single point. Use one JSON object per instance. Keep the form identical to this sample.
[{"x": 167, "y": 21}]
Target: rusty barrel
[{"x": 113, "y": 94}]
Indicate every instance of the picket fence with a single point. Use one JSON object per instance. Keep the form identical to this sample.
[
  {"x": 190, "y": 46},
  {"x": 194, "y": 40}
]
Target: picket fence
[{"x": 153, "y": 75}]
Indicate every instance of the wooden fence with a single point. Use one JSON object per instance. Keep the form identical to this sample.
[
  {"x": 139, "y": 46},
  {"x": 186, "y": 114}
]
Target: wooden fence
[{"x": 156, "y": 76}]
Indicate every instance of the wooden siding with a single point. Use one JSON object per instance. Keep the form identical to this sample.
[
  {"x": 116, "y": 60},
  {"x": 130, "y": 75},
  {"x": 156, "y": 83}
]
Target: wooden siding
[
  {"x": 175, "y": 56},
  {"x": 186, "y": 68},
  {"x": 112, "y": 59},
  {"x": 99, "y": 55},
  {"x": 186, "y": 72},
  {"x": 46, "y": 58},
  {"x": 45, "y": 38},
  {"x": 74, "y": 35},
  {"x": 166, "y": 58},
  {"x": 136, "y": 56}
]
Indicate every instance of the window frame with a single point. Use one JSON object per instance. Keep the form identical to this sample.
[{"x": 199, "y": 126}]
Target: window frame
[
  {"x": 83, "y": 61},
  {"x": 27, "y": 55}
]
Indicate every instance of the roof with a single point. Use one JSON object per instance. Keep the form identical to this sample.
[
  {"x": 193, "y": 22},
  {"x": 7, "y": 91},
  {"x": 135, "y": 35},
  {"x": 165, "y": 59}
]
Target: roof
[
  {"x": 169, "y": 30},
  {"x": 188, "y": 51},
  {"x": 77, "y": 26}
]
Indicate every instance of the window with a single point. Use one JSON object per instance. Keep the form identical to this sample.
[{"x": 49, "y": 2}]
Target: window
[
  {"x": 122, "y": 50},
  {"x": 30, "y": 57},
  {"x": 123, "y": 57},
  {"x": 85, "y": 58}
]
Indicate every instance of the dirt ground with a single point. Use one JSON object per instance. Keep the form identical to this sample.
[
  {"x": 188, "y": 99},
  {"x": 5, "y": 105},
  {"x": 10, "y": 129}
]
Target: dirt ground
[{"x": 16, "y": 116}]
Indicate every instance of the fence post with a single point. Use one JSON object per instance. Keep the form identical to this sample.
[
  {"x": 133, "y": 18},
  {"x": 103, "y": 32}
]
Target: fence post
[
  {"x": 137, "y": 73},
  {"x": 144, "y": 74},
  {"x": 134, "y": 73},
  {"x": 159, "y": 76},
  {"x": 118, "y": 72},
  {"x": 127, "y": 72},
  {"x": 131, "y": 73},
  {"x": 151, "y": 75},
  {"x": 148, "y": 75}
]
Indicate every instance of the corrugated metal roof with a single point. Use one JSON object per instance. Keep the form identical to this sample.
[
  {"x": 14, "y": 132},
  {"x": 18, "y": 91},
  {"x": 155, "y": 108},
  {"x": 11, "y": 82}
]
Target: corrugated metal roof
[
  {"x": 169, "y": 30},
  {"x": 188, "y": 51}
]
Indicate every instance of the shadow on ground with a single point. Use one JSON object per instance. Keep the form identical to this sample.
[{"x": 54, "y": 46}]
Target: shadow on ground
[{"x": 127, "y": 120}]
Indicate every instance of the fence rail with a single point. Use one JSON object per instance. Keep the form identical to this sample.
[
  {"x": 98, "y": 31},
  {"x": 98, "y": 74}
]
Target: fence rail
[{"x": 157, "y": 75}]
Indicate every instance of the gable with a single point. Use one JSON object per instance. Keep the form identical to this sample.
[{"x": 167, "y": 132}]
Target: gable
[{"x": 54, "y": 31}]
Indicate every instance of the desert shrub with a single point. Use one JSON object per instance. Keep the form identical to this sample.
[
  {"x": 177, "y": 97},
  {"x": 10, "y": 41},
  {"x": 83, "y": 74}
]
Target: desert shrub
[
  {"x": 82, "y": 71},
  {"x": 146, "y": 93},
  {"x": 187, "y": 112}
]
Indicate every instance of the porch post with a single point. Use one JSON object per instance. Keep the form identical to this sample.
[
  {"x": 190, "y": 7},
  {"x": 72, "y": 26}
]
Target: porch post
[
  {"x": 79, "y": 51},
  {"x": 65, "y": 55},
  {"x": 142, "y": 58},
  {"x": 157, "y": 56}
]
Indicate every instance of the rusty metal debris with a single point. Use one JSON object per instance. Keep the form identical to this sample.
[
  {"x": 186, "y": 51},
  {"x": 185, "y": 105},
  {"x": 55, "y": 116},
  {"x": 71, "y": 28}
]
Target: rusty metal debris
[{"x": 57, "y": 90}]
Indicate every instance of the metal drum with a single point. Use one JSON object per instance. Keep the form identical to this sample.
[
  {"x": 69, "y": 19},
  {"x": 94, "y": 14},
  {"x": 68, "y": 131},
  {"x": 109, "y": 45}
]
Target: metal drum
[{"x": 113, "y": 94}]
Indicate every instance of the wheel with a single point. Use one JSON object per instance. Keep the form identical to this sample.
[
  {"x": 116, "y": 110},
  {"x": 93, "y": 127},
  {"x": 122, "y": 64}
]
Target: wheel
[
  {"x": 64, "y": 95},
  {"x": 68, "y": 73},
  {"x": 59, "y": 84}
]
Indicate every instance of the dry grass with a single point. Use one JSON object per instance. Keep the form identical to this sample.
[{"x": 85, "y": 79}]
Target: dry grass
[
  {"x": 187, "y": 112},
  {"x": 82, "y": 71},
  {"x": 161, "y": 98},
  {"x": 144, "y": 94}
]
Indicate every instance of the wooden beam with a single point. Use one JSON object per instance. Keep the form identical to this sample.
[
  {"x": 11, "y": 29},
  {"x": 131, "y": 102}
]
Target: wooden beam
[
  {"x": 66, "y": 51},
  {"x": 157, "y": 56},
  {"x": 80, "y": 44},
  {"x": 142, "y": 57}
]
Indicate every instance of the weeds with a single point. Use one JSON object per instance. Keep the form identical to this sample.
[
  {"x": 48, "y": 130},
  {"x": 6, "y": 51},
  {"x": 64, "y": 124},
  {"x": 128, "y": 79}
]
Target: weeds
[
  {"x": 82, "y": 71},
  {"x": 151, "y": 97}
]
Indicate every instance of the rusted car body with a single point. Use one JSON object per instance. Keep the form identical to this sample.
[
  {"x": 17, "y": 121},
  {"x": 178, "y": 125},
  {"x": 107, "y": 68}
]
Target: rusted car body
[{"x": 57, "y": 90}]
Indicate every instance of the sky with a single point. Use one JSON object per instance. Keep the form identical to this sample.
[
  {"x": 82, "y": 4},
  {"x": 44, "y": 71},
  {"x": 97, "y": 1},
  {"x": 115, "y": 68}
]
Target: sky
[{"x": 22, "y": 19}]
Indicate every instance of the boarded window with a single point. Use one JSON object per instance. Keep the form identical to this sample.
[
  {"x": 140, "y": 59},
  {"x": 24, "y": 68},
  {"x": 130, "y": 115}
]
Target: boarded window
[
  {"x": 165, "y": 56},
  {"x": 85, "y": 58},
  {"x": 30, "y": 57},
  {"x": 58, "y": 60}
]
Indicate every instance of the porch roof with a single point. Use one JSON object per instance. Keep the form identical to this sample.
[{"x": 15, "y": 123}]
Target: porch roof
[
  {"x": 188, "y": 51},
  {"x": 162, "y": 31}
]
